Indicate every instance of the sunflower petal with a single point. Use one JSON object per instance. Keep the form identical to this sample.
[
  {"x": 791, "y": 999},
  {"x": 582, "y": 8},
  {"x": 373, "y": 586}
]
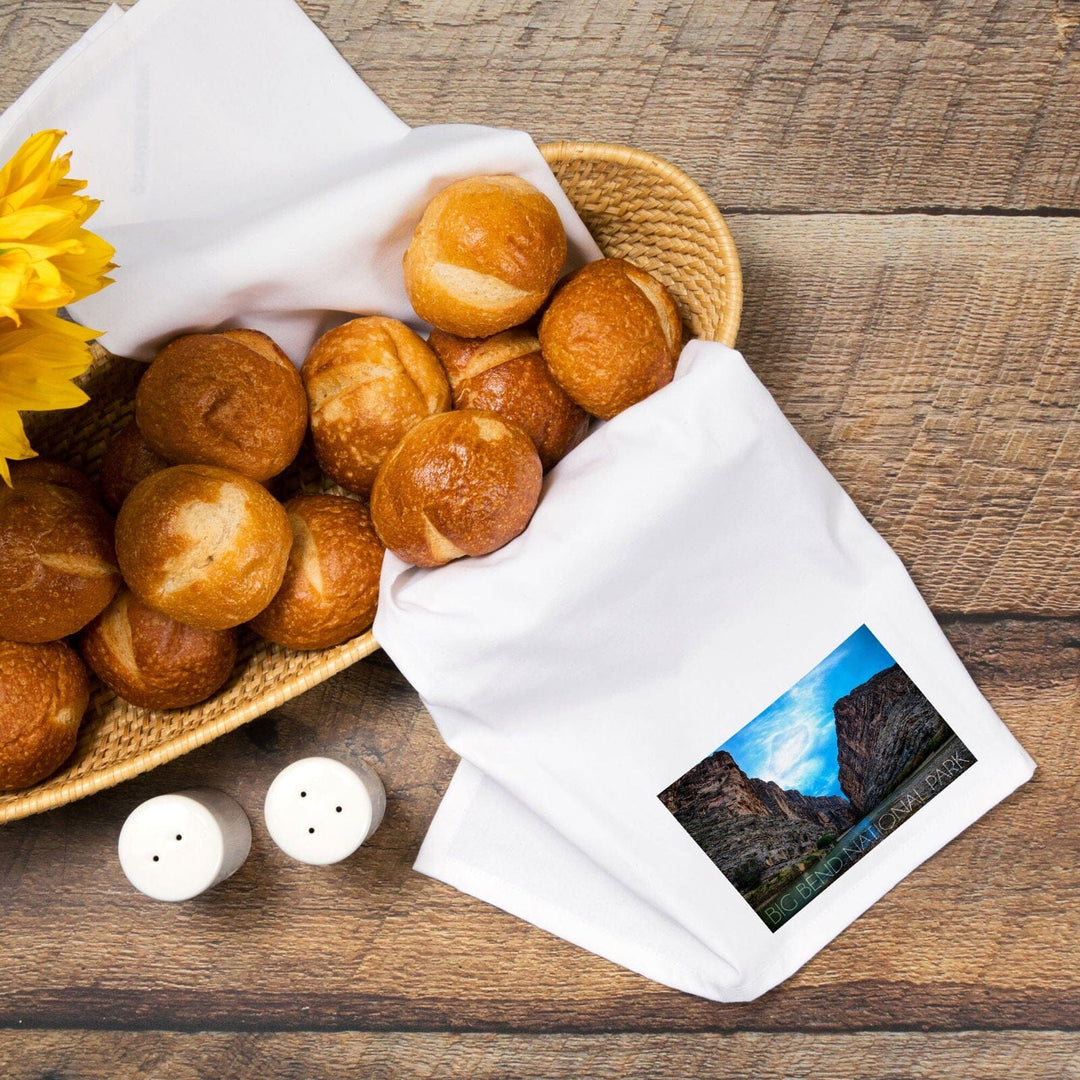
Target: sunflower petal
[
  {"x": 15, "y": 275},
  {"x": 14, "y": 444},
  {"x": 28, "y": 176},
  {"x": 36, "y": 369},
  {"x": 41, "y": 219},
  {"x": 34, "y": 152},
  {"x": 50, "y": 321},
  {"x": 29, "y": 349},
  {"x": 47, "y": 260},
  {"x": 23, "y": 224},
  {"x": 45, "y": 295},
  {"x": 84, "y": 271},
  {"x": 38, "y": 395}
]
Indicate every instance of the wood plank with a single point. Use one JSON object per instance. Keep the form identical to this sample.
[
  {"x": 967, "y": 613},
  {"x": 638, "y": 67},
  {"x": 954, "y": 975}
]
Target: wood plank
[
  {"x": 931, "y": 362},
  {"x": 779, "y": 105},
  {"x": 107, "y": 1055},
  {"x": 369, "y": 944}
]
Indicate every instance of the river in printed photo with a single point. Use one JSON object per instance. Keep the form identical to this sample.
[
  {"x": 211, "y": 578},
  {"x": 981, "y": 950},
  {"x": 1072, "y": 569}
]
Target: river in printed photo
[{"x": 940, "y": 770}]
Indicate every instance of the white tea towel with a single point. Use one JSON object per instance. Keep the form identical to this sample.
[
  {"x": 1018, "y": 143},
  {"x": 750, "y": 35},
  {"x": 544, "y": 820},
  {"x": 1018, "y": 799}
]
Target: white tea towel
[{"x": 706, "y": 718}]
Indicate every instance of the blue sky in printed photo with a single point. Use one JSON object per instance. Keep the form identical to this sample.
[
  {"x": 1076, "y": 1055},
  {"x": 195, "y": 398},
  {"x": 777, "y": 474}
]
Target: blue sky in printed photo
[{"x": 794, "y": 740}]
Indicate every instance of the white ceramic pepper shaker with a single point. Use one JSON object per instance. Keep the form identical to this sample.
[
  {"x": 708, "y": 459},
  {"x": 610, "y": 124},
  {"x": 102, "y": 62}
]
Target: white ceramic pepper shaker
[
  {"x": 174, "y": 847},
  {"x": 320, "y": 811}
]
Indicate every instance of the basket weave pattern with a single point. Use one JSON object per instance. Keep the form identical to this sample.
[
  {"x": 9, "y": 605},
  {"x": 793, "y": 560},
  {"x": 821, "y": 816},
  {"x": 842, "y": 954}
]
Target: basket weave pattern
[{"x": 636, "y": 206}]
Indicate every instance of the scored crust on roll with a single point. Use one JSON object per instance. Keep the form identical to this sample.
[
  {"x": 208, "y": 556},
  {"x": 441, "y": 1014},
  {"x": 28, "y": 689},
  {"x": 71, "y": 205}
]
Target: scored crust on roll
[
  {"x": 506, "y": 374},
  {"x": 368, "y": 381},
  {"x": 58, "y": 568},
  {"x": 331, "y": 584},
  {"x": 461, "y": 483},
  {"x": 152, "y": 660},
  {"x": 46, "y": 471},
  {"x": 484, "y": 256},
  {"x": 44, "y": 692},
  {"x": 202, "y": 544},
  {"x": 611, "y": 336},
  {"x": 232, "y": 399}
]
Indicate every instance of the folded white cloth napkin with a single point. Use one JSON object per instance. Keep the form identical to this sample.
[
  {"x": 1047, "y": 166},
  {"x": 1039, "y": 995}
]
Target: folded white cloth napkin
[
  {"x": 247, "y": 175},
  {"x": 642, "y": 685},
  {"x": 693, "y": 581}
]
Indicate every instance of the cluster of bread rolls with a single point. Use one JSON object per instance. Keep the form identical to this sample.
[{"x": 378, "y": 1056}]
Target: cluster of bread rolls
[
  {"x": 199, "y": 547},
  {"x": 521, "y": 358},
  {"x": 448, "y": 438},
  {"x": 201, "y": 541}
]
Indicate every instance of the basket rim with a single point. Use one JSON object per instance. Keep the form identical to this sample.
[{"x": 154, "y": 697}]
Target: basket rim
[
  {"x": 33, "y": 802},
  {"x": 619, "y": 154},
  {"x": 77, "y": 788}
]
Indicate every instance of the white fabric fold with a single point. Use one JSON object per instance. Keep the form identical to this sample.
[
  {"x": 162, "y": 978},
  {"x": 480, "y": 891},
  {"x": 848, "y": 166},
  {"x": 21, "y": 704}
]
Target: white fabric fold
[
  {"x": 688, "y": 564},
  {"x": 248, "y": 177}
]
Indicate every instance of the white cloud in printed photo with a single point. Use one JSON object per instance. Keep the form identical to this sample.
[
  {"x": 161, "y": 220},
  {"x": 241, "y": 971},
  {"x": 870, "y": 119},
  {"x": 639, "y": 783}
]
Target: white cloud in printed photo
[{"x": 793, "y": 741}]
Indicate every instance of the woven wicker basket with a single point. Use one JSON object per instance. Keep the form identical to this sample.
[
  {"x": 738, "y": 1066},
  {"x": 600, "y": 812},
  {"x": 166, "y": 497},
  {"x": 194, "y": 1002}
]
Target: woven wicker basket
[{"x": 636, "y": 206}]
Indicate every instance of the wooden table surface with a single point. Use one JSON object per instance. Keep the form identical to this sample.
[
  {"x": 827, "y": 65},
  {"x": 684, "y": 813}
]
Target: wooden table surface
[{"x": 902, "y": 180}]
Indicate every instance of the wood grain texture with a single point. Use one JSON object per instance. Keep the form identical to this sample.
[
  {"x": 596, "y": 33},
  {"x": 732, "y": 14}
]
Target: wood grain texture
[
  {"x": 770, "y": 104},
  {"x": 108, "y": 1055},
  {"x": 979, "y": 937},
  {"x": 788, "y": 105},
  {"x": 931, "y": 362}
]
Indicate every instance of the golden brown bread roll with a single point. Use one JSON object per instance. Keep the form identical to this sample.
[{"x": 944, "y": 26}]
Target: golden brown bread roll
[
  {"x": 202, "y": 544},
  {"x": 57, "y": 564},
  {"x": 232, "y": 399},
  {"x": 44, "y": 691},
  {"x": 461, "y": 483},
  {"x": 611, "y": 336},
  {"x": 45, "y": 470},
  {"x": 368, "y": 382},
  {"x": 127, "y": 460},
  {"x": 506, "y": 374},
  {"x": 484, "y": 256},
  {"x": 152, "y": 660},
  {"x": 331, "y": 584}
]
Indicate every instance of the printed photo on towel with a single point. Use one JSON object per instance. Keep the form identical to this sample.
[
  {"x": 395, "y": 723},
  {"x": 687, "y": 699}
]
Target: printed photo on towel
[{"x": 798, "y": 795}]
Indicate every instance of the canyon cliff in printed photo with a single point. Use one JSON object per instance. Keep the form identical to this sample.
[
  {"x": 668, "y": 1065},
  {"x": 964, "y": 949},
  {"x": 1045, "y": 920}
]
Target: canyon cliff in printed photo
[{"x": 859, "y": 753}]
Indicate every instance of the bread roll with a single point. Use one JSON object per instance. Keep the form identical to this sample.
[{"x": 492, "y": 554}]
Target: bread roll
[
  {"x": 57, "y": 564},
  {"x": 127, "y": 461},
  {"x": 367, "y": 383},
  {"x": 611, "y": 336},
  {"x": 202, "y": 544},
  {"x": 462, "y": 483},
  {"x": 45, "y": 470},
  {"x": 232, "y": 399},
  {"x": 331, "y": 584},
  {"x": 44, "y": 691},
  {"x": 152, "y": 660},
  {"x": 506, "y": 374},
  {"x": 484, "y": 256}
]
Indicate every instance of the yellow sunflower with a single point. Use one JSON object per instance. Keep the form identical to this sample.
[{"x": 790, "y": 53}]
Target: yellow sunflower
[{"x": 47, "y": 260}]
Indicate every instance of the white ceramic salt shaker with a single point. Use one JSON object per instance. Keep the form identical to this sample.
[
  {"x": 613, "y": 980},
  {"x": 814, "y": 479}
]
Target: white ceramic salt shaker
[
  {"x": 174, "y": 847},
  {"x": 320, "y": 811}
]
